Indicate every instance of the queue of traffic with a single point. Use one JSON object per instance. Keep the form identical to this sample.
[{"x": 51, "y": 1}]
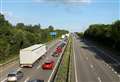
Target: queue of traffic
[{"x": 30, "y": 55}]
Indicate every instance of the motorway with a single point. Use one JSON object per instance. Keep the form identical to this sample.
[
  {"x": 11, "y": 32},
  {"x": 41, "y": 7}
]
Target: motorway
[
  {"x": 31, "y": 73},
  {"x": 88, "y": 64}
]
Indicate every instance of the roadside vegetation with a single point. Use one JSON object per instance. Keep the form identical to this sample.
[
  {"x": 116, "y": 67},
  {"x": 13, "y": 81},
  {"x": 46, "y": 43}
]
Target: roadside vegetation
[
  {"x": 80, "y": 34},
  {"x": 15, "y": 37},
  {"x": 63, "y": 70},
  {"x": 105, "y": 34}
]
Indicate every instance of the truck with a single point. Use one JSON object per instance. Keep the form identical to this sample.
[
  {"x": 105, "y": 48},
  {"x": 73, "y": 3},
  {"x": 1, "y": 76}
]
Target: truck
[
  {"x": 28, "y": 56},
  {"x": 63, "y": 36}
]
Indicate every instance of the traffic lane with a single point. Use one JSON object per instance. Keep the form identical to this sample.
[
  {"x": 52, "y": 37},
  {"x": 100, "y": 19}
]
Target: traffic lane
[
  {"x": 101, "y": 68},
  {"x": 7, "y": 69},
  {"x": 107, "y": 56},
  {"x": 43, "y": 74},
  {"x": 72, "y": 79},
  {"x": 15, "y": 65},
  {"x": 37, "y": 72},
  {"x": 31, "y": 72},
  {"x": 52, "y": 43},
  {"x": 84, "y": 72}
]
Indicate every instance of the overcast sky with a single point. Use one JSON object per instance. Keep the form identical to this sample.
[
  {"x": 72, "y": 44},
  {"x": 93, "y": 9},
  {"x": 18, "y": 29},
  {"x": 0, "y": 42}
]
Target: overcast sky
[{"x": 73, "y": 15}]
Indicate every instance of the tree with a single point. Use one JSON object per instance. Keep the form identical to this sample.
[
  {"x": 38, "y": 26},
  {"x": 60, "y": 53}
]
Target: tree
[{"x": 50, "y": 28}]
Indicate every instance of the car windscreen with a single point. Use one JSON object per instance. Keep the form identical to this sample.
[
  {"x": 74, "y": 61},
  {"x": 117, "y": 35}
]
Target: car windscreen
[
  {"x": 47, "y": 63},
  {"x": 11, "y": 75}
]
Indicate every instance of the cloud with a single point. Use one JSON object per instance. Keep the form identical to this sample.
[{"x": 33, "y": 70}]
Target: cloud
[
  {"x": 11, "y": 17},
  {"x": 7, "y": 14},
  {"x": 64, "y": 1}
]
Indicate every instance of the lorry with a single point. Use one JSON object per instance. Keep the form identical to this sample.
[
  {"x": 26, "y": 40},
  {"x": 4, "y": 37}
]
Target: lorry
[{"x": 28, "y": 56}]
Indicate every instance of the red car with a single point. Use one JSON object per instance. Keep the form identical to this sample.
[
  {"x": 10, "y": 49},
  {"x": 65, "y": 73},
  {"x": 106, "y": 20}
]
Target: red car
[
  {"x": 58, "y": 50},
  {"x": 49, "y": 64}
]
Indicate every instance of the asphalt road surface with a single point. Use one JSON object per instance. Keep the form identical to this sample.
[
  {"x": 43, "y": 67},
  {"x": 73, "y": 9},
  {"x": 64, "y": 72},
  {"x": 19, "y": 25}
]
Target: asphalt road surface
[
  {"x": 30, "y": 73},
  {"x": 88, "y": 65}
]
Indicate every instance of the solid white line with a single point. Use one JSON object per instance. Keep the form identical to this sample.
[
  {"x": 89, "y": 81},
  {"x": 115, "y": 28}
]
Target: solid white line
[
  {"x": 26, "y": 80},
  {"x": 99, "y": 79},
  {"x": 76, "y": 79},
  {"x": 54, "y": 68},
  {"x": 4, "y": 80}
]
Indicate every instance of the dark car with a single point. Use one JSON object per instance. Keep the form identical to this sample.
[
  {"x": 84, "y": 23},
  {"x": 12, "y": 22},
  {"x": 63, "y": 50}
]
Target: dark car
[{"x": 36, "y": 80}]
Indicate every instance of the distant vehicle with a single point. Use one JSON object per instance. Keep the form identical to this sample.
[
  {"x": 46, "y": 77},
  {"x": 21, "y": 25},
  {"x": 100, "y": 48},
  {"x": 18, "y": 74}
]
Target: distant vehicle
[
  {"x": 36, "y": 80},
  {"x": 63, "y": 36},
  {"x": 30, "y": 55},
  {"x": 58, "y": 50},
  {"x": 55, "y": 54},
  {"x": 49, "y": 64},
  {"x": 13, "y": 76}
]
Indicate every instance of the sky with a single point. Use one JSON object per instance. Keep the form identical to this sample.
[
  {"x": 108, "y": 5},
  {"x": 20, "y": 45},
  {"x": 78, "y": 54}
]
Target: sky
[{"x": 72, "y": 15}]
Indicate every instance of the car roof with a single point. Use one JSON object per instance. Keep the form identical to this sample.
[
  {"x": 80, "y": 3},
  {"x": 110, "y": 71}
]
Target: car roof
[
  {"x": 36, "y": 80},
  {"x": 13, "y": 72}
]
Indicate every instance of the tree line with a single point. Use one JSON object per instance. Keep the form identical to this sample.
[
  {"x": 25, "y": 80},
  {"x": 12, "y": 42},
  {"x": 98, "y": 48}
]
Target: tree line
[
  {"x": 15, "y": 37},
  {"x": 107, "y": 34}
]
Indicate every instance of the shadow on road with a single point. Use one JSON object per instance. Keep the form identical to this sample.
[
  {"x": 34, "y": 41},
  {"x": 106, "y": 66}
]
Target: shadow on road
[{"x": 102, "y": 56}]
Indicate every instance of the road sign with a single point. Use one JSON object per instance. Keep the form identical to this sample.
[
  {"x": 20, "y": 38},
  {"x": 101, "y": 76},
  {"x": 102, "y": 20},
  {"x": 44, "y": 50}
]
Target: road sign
[{"x": 53, "y": 33}]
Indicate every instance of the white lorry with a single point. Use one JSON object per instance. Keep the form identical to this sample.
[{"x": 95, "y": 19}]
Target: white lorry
[{"x": 28, "y": 56}]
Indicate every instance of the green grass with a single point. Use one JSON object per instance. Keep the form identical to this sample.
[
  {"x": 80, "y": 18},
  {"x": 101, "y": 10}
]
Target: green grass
[{"x": 8, "y": 58}]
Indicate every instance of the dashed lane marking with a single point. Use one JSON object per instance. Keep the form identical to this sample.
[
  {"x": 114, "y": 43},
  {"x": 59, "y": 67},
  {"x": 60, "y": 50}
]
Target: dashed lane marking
[
  {"x": 26, "y": 80},
  {"x": 91, "y": 66},
  {"x": 99, "y": 79}
]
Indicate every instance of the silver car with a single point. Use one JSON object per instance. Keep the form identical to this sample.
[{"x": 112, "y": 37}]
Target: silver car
[{"x": 13, "y": 76}]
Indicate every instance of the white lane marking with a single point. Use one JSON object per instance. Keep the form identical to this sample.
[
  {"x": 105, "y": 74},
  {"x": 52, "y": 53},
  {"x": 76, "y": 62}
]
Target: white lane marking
[
  {"x": 107, "y": 55},
  {"x": 4, "y": 80},
  {"x": 38, "y": 66},
  {"x": 119, "y": 76},
  {"x": 76, "y": 79},
  {"x": 87, "y": 58},
  {"x": 112, "y": 69},
  {"x": 26, "y": 80},
  {"x": 91, "y": 66},
  {"x": 8, "y": 66},
  {"x": 109, "y": 66},
  {"x": 115, "y": 72},
  {"x": 43, "y": 61},
  {"x": 99, "y": 79},
  {"x": 49, "y": 79},
  {"x": 45, "y": 58},
  {"x": 19, "y": 69}
]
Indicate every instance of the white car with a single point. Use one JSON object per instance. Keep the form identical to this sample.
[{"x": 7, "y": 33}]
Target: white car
[{"x": 13, "y": 76}]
